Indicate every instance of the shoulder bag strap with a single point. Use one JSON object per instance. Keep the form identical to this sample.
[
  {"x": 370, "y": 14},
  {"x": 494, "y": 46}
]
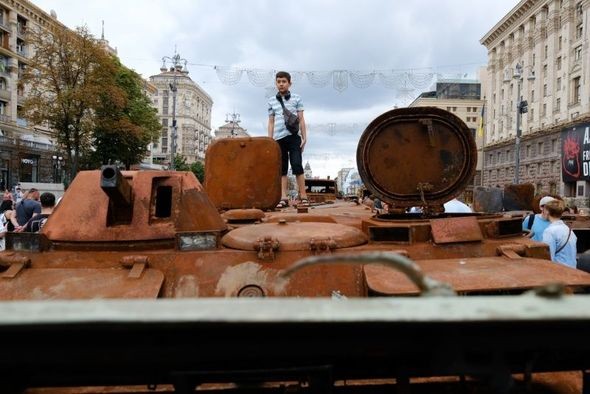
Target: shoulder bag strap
[
  {"x": 280, "y": 99},
  {"x": 566, "y": 241}
]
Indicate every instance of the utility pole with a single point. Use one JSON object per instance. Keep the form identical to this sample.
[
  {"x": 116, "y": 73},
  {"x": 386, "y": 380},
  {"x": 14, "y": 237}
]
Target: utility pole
[
  {"x": 521, "y": 108},
  {"x": 177, "y": 64},
  {"x": 235, "y": 120}
]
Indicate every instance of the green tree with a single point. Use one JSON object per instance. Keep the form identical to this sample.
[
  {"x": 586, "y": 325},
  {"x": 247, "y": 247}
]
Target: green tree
[
  {"x": 66, "y": 78},
  {"x": 199, "y": 170},
  {"x": 126, "y": 121},
  {"x": 196, "y": 168},
  {"x": 180, "y": 163}
]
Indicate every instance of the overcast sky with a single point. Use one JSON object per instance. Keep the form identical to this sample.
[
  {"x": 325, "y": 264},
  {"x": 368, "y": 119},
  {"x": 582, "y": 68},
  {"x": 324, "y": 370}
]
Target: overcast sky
[{"x": 419, "y": 37}]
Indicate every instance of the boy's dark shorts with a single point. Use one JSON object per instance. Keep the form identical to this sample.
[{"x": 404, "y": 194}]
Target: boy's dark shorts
[{"x": 291, "y": 151}]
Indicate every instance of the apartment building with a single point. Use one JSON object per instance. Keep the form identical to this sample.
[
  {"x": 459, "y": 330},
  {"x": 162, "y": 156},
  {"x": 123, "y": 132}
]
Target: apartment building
[
  {"x": 27, "y": 153},
  {"x": 538, "y": 54},
  {"x": 178, "y": 97}
]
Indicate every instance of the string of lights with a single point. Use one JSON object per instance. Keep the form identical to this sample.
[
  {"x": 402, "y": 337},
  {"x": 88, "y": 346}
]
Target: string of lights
[{"x": 404, "y": 81}]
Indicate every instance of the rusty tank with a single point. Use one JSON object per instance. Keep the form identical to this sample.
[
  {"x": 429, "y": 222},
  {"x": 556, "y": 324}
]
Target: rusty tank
[{"x": 162, "y": 259}]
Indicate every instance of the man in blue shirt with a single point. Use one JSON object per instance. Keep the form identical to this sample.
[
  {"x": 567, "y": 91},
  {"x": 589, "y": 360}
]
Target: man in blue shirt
[
  {"x": 540, "y": 221},
  {"x": 560, "y": 238},
  {"x": 291, "y": 144}
]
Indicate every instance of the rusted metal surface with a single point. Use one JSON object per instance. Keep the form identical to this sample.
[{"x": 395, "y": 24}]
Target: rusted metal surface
[
  {"x": 239, "y": 215},
  {"x": 294, "y": 236},
  {"x": 477, "y": 275},
  {"x": 81, "y": 283},
  {"x": 243, "y": 173},
  {"x": 452, "y": 230},
  {"x": 408, "y": 147},
  {"x": 487, "y": 199},
  {"x": 320, "y": 190},
  {"x": 518, "y": 197},
  {"x": 163, "y": 203}
]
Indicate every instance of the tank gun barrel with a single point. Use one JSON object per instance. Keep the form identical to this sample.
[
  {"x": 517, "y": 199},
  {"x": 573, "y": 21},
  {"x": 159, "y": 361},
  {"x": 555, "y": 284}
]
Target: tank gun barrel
[
  {"x": 115, "y": 186},
  {"x": 120, "y": 194}
]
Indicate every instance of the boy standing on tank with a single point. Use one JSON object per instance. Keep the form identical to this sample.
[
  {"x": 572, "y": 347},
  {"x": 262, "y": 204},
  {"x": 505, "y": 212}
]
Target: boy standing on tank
[{"x": 291, "y": 144}]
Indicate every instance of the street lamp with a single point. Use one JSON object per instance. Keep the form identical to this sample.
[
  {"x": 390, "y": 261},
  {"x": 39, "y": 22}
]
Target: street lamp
[
  {"x": 177, "y": 66},
  {"x": 57, "y": 164},
  {"x": 234, "y": 119},
  {"x": 522, "y": 107}
]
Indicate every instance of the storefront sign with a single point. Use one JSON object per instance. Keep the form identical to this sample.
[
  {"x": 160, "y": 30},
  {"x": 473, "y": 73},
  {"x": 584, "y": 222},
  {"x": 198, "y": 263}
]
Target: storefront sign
[{"x": 575, "y": 153}]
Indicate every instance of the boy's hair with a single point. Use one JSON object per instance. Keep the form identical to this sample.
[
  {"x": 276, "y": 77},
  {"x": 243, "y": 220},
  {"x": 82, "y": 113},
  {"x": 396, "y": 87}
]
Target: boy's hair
[
  {"x": 283, "y": 74},
  {"x": 555, "y": 208},
  {"x": 47, "y": 200}
]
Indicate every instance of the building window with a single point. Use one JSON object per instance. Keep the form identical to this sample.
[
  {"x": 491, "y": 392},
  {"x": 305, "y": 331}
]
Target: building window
[
  {"x": 532, "y": 95},
  {"x": 559, "y": 63},
  {"x": 554, "y": 145},
  {"x": 528, "y": 151},
  {"x": 558, "y": 105},
  {"x": 540, "y": 148},
  {"x": 3, "y": 107},
  {"x": 576, "y": 90},
  {"x": 578, "y": 53},
  {"x": 546, "y": 51},
  {"x": 533, "y": 60},
  {"x": 544, "y": 109},
  {"x": 553, "y": 188},
  {"x": 545, "y": 71},
  {"x": 558, "y": 84},
  {"x": 559, "y": 43},
  {"x": 545, "y": 90},
  {"x": 508, "y": 157},
  {"x": 580, "y": 191},
  {"x": 29, "y": 168},
  {"x": 579, "y": 31}
]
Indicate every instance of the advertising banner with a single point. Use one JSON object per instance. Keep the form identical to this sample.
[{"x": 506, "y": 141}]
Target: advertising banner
[{"x": 575, "y": 153}]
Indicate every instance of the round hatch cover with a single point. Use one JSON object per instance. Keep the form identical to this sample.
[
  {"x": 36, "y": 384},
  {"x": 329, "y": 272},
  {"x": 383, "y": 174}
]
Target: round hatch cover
[
  {"x": 407, "y": 152},
  {"x": 295, "y": 236}
]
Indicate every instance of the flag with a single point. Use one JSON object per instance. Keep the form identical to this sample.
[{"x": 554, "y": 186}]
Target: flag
[{"x": 480, "y": 127}]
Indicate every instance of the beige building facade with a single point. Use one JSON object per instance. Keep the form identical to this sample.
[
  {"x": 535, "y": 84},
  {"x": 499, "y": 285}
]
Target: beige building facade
[
  {"x": 192, "y": 114},
  {"x": 27, "y": 153},
  {"x": 540, "y": 49}
]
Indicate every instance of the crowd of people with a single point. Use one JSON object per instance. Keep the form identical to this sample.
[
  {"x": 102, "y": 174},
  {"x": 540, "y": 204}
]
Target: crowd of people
[{"x": 24, "y": 211}]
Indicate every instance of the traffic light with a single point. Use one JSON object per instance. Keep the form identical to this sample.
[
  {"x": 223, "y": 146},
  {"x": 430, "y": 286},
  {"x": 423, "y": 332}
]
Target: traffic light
[{"x": 523, "y": 107}]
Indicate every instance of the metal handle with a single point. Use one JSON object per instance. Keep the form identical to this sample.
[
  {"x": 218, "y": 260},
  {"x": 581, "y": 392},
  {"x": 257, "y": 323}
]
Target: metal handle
[{"x": 427, "y": 285}]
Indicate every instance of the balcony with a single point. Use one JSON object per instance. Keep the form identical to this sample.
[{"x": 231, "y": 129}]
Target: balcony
[{"x": 5, "y": 118}]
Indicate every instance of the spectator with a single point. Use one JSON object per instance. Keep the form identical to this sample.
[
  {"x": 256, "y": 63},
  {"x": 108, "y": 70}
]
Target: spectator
[
  {"x": 28, "y": 207},
  {"x": 535, "y": 224},
  {"x": 560, "y": 238},
  {"x": 35, "y": 224},
  {"x": 8, "y": 215}
]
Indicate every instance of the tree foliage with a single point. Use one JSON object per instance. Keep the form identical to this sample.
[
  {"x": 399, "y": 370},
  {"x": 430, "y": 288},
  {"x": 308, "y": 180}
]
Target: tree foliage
[
  {"x": 196, "y": 168},
  {"x": 96, "y": 106},
  {"x": 66, "y": 78},
  {"x": 126, "y": 122}
]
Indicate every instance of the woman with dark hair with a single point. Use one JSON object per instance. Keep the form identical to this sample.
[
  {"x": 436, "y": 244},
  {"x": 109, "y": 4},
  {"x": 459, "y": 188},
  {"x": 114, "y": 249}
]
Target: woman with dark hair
[{"x": 8, "y": 215}]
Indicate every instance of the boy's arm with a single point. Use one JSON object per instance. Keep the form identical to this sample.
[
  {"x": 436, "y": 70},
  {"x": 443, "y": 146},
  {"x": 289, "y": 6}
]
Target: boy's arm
[
  {"x": 303, "y": 129},
  {"x": 271, "y": 126}
]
